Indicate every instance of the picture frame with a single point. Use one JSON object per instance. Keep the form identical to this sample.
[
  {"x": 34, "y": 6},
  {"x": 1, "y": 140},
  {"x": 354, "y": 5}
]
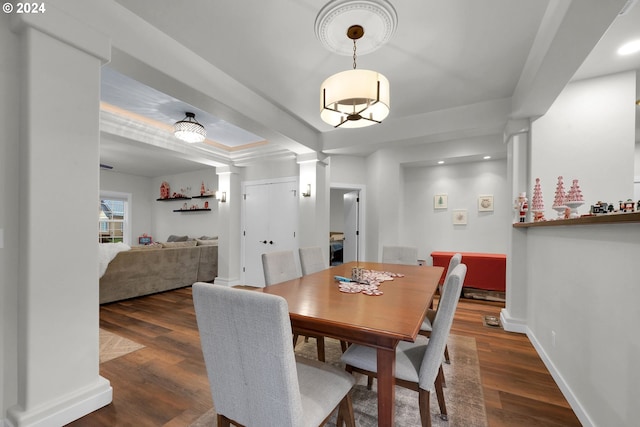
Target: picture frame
[
  {"x": 440, "y": 201},
  {"x": 485, "y": 203},
  {"x": 459, "y": 217}
]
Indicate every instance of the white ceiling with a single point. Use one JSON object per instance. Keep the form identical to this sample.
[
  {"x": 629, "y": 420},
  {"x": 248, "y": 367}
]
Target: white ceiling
[{"x": 459, "y": 69}]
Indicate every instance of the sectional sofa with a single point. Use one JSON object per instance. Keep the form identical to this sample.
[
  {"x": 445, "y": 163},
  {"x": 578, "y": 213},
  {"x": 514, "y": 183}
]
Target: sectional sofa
[{"x": 147, "y": 270}]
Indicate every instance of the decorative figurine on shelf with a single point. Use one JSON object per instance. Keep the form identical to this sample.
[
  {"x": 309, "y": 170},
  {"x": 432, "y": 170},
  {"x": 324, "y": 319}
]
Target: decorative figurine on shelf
[
  {"x": 574, "y": 199},
  {"x": 638, "y": 206},
  {"x": 522, "y": 206},
  {"x": 165, "y": 190},
  {"x": 537, "y": 204},
  {"x": 559, "y": 199},
  {"x": 627, "y": 206},
  {"x": 206, "y": 205},
  {"x": 601, "y": 208},
  {"x": 185, "y": 206},
  {"x": 202, "y": 191}
]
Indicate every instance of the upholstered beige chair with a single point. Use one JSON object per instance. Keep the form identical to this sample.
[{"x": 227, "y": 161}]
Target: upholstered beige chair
[
  {"x": 418, "y": 364},
  {"x": 312, "y": 260},
  {"x": 400, "y": 255},
  {"x": 426, "y": 327},
  {"x": 279, "y": 267},
  {"x": 254, "y": 377}
]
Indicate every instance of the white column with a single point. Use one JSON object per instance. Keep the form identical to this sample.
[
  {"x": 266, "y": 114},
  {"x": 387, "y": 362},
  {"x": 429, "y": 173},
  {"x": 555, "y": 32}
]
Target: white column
[
  {"x": 514, "y": 315},
  {"x": 314, "y": 210},
  {"x": 58, "y": 377},
  {"x": 229, "y": 226}
]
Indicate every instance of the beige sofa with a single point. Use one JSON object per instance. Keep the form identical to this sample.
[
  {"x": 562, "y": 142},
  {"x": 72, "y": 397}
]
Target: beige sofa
[{"x": 144, "y": 271}]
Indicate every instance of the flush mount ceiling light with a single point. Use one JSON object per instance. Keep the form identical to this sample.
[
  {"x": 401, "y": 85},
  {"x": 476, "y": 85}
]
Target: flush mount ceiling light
[
  {"x": 189, "y": 130},
  {"x": 355, "y": 98}
]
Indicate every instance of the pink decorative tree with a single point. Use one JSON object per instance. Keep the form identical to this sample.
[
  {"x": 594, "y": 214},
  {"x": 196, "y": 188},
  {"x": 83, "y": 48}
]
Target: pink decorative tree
[
  {"x": 575, "y": 194},
  {"x": 559, "y": 199},
  {"x": 537, "y": 204},
  {"x": 574, "y": 199}
]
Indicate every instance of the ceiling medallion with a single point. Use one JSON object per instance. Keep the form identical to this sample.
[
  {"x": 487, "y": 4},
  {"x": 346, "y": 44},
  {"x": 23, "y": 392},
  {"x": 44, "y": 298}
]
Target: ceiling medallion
[{"x": 377, "y": 16}]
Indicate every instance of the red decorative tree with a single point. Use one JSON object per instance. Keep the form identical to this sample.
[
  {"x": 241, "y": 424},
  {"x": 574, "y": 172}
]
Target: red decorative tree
[
  {"x": 560, "y": 195},
  {"x": 575, "y": 194},
  {"x": 537, "y": 204}
]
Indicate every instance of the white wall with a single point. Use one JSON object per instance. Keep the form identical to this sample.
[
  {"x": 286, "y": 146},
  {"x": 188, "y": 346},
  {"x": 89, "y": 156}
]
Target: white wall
[
  {"x": 142, "y": 199},
  {"x": 582, "y": 281},
  {"x": 584, "y": 287},
  {"x": 165, "y": 222},
  {"x": 9, "y": 194},
  {"x": 270, "y": 170},
  {"x": 348, "y": 170},
  {"x": 431, "y": 229},
  {"x": 588, "y": 134}
]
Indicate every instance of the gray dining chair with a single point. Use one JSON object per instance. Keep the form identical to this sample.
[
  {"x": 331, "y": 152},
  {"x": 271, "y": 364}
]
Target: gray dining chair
[
  {"x": 418, "y": 364},
  {"x": 400, "y": 255},
  {"x": 254, "y": 376},
  {"x": 426, "y": 327},
  {"x": 279, "y": 267},
  {"x": 312, "y": 260}
]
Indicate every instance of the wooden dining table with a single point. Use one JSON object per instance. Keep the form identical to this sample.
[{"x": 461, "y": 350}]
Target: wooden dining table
[{"x": 318, "y": 307}]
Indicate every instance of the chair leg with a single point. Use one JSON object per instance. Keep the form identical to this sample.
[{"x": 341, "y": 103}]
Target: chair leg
[
  {"x": 345, "y": 412},
  {"x": 295, "y": 340},
  {"x": 425, "y": 411},
  {"x": 440, "y": 394},
  {"x": 344, "y": 345},
  {"x": 446, "y": 354},
  {"x": 369, "y": 382},
  {"x": 320, "y": 344},
  {"x": 223, "y": 421}
]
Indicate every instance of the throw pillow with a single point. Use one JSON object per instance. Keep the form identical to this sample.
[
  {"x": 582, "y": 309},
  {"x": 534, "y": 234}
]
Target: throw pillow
[
  {"x": 208, "y": 238},
  {"x": 206, "y": 242},
  {"x": 174, "y": 238}
]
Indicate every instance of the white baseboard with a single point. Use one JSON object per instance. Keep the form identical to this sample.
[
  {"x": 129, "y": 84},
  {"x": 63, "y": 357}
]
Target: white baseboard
[
  {"x": 61, "y": 412},
  {"x": 512, "y": 324},
  {"x": 226, "y": 282}
]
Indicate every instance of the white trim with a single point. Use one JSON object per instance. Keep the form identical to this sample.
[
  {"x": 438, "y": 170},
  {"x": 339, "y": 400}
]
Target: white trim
[
  {"x": 66, "y": 410},
  {"x": 579, "y": 410},
  {"x": 511, "y": 324},
  {"x": 226, "y": 282}
]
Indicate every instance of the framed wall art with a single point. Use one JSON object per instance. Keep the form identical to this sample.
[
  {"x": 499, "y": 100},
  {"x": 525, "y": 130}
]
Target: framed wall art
[
  {"x": 459, "y": 217},
  {"x": 485, "y": 203},
  {"x": 440, "y": 201}
]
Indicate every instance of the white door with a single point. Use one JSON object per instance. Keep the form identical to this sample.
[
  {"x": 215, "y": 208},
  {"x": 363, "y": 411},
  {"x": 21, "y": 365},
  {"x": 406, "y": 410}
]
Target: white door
[
  {"x": 351, "y": 226},
  {"x": 270, "y": 224}
]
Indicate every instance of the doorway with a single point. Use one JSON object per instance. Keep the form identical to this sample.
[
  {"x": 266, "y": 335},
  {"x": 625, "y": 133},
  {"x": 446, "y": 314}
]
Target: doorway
[{"x": 347, "y": 223}]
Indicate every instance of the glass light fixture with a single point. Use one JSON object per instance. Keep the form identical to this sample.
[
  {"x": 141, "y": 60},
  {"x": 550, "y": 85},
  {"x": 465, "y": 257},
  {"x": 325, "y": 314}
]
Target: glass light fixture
[
  {"x": 189, "y": 130},
  {"x": 354, "y": 98}
]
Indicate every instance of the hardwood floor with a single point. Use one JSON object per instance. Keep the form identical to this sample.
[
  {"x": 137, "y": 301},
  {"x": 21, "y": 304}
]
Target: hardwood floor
[{"x": 165, "y": 383}]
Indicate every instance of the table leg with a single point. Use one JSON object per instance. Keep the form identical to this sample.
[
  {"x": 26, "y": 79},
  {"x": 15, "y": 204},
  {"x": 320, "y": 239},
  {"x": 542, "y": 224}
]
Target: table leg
[{"x": 386, "y": 386}]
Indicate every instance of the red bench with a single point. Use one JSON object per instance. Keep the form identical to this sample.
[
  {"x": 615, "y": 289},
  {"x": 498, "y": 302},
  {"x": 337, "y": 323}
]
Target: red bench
[{"x": 484, "y": 271}]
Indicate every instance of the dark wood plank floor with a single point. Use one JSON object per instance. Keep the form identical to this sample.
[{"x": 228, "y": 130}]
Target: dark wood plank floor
[{"x": 165, "y": 384}]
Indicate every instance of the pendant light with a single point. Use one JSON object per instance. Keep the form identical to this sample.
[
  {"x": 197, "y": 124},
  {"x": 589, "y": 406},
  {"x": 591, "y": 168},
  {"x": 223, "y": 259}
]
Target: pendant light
[
  {"x": 354, "y": 98},
  {"x": 189, "y": 130}
]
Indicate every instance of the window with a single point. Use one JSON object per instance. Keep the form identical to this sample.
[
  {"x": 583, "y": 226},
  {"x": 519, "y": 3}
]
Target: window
[{"x": 112, "y": 221}]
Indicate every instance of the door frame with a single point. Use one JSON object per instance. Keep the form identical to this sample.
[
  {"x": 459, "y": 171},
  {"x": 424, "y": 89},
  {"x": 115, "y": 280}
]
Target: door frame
[{"x": 361, "y": 213}]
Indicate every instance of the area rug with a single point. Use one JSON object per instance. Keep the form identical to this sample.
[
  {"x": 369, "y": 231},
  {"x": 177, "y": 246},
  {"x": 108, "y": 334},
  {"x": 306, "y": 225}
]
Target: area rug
[
  {"x": 113, "y": 346},
  {"x": 463, "y": 391}
]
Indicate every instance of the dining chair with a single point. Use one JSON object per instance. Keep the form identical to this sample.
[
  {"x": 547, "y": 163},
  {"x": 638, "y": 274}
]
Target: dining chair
[
  {"x": 418, "y": 364},
  {"x": 280, "y": 266},
  {"x": 400, "y": 255},
  {"x": 426, "y": 327},
  {"x": 312, "y": 260},
  {"x": 254, "y": 376}
]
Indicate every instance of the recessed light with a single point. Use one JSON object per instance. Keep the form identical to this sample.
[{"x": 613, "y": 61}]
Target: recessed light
[
  {"x": 486, "y": 157},
  {"x": 440, "y": 162},
  {"x": 629, "y": 48}
]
